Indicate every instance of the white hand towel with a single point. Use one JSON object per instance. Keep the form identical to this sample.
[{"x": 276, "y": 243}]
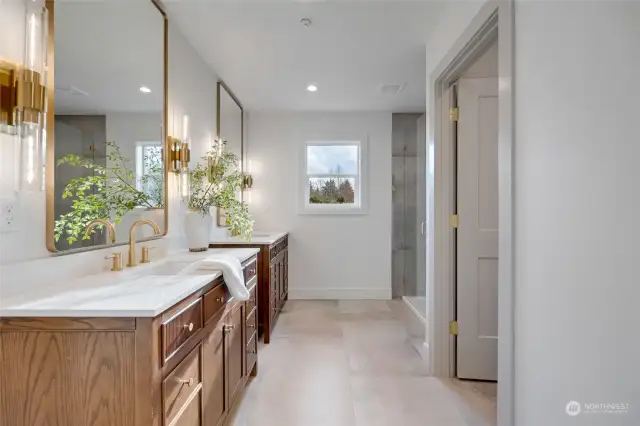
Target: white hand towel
[{"x": 231, "y": 272}]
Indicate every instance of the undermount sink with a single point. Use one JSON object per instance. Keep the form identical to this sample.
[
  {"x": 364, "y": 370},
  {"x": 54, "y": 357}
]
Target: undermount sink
[{"x": 173, "y": 268}]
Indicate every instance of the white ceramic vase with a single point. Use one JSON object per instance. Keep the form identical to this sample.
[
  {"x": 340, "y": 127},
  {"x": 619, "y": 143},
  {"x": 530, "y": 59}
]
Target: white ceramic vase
[{"x": 198, "y": 228}]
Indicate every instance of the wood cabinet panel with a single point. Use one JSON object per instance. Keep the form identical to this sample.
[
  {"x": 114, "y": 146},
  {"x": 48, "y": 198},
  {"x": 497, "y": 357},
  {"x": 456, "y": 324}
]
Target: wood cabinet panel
[
  {"x": 180, "y": 327},
  {"x": 214, "y": 365},
  {"x": 251, "y": 354},
  {"x": 180, "y": 384},
  {"x": 73, "y": 379},
  {"x": 235, "y": 352},
  {"x": 252, "y": 302},
  {"x": 214, "y": 301},
  {"x": 191, "y": 413}
]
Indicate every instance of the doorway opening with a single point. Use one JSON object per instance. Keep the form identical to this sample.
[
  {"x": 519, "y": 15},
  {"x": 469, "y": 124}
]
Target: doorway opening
[{"x": 470, "y": 208}]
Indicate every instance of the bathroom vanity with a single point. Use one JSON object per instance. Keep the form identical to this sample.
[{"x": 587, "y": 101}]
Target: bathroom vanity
[
  {"x": 273, "y": 276},
  {"x": 165, "y": 347}
]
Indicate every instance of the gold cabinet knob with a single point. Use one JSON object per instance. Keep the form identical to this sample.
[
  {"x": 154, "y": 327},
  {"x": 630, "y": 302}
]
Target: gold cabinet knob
[
  {"x": 189, "y": 326},
  {"x": 189, "y": 382},
  {"x": 252, "y": 326},
  {"x": 229, "y": 328},
  {"x": 220, "y": 299}
]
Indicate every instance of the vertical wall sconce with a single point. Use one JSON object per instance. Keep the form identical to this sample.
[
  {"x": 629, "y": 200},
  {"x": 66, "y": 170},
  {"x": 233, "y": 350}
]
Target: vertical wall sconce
[
  {"x": 23, "y": 96},
  {"x": 180, "y": 156},
  {"x": 247, "y": 182}
]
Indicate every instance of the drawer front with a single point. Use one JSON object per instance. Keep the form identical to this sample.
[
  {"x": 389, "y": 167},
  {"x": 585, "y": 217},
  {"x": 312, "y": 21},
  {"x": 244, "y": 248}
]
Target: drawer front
[
  {"x": 214, "y": 301},
  {"x": 252, "y": 353},
  {"x": 251, "y": 270},
  {"x": 180, "y": 385},
  {"x": 253, "y": 299},
  {"x": 180, "y": 327},
  {"x": 252, "y": 322},
  {"x": 191, "y": 415}
]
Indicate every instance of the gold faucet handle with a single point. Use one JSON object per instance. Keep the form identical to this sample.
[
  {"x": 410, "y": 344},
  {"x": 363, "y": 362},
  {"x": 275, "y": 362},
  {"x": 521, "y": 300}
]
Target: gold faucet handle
[
  {"x": 117, "y": 261},
  {"x": 145, "y": 254}
]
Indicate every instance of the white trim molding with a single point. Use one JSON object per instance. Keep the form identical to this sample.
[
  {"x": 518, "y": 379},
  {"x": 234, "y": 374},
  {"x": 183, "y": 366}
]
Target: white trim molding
[
  {"x": 340, "y": 294},
  {"x": 494, "y": 19}
]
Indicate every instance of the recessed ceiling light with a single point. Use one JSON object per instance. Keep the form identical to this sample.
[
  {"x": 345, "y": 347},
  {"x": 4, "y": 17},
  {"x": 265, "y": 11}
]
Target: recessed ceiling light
[
  {"x": 312, "y": 87},
  {"x": 145, "y": 89}
]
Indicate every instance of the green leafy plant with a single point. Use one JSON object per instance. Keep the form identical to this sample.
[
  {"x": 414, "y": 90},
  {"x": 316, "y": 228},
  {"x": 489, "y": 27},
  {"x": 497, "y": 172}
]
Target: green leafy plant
[
  {"x": 215, "y": 184},
  {"x": 109, "y": 192}
]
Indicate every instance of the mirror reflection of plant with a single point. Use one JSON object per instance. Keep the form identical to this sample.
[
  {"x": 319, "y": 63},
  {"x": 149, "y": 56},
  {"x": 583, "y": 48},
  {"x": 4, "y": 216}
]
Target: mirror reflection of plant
[
  {"x": 108, "y": 193},
  {"x": 153, "y": 179},
  {"x": 216, "y": 185}
]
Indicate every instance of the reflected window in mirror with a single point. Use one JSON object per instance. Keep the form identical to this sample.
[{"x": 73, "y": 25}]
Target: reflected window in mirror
[{"x": 150, "y": 171}]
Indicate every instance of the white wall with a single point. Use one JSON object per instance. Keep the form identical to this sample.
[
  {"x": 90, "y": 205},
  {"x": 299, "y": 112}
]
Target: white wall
[
  {"x": 576, "y": 186},
  {"x": 334, "y": 256},
  {"x": 192, "y": 89},
  {"x": 577, "y": 209}
]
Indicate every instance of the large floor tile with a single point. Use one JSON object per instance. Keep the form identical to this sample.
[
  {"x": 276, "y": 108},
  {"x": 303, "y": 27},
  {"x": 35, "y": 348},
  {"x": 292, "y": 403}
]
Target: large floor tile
[
  {"x": 352, "y": 363},
  {"x": 406, "y": 401}
]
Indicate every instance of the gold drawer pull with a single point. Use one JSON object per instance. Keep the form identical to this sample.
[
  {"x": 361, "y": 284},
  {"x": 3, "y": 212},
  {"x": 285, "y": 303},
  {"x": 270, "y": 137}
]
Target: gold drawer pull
[
  {"x": 229, "y": 328},
  {"x": 220, "y": 299},
  {"x": 189, "y": 326},
  {"x": 188, "y": 382},
  {"x": 252, "y": 326}
]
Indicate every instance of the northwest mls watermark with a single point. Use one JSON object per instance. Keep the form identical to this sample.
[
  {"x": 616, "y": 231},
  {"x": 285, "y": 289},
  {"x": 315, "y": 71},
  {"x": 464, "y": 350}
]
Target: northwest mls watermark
[{"x": 575, "y": 408}]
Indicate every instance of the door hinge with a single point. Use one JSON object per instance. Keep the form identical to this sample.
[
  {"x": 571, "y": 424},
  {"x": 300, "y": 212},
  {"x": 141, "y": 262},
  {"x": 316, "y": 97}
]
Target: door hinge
[
  {"x": 454, "y": 114},
  {"x": 453, "y": 221},
  {"x": 453, "y": 328}
]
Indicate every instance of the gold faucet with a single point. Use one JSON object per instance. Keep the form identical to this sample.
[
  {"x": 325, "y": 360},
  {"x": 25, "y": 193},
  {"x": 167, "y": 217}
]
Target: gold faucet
[
  {"x": 132, "y": 238},
  {"x": 111, "y": 230}
]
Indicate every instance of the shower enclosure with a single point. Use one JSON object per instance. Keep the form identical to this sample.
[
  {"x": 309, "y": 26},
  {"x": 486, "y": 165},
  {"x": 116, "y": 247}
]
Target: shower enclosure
[{"x": 409, "y": 210}]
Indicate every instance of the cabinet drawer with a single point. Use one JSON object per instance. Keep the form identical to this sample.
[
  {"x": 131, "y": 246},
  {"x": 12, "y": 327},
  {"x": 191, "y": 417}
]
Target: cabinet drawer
[
  {"x": 214, "y": 301},
  {"x": 252, "y": 322},
  {"x": 180, "y": 327},
  {"x": 179, "y": 387},
  {"x": 252, "y": 301},
  {"x": 251, "y": 270},
  {"x": 252, "y": 353},
  {"x": 190, "y": 416}
]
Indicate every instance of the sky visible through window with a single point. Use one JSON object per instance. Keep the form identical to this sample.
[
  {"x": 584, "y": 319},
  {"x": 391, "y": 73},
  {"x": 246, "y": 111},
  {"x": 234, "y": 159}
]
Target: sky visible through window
[{"x": 332, "y": 159}]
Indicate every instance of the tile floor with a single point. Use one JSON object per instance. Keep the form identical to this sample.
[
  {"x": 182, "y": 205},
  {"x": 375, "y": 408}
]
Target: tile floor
[{"x": 351, "y": 363}]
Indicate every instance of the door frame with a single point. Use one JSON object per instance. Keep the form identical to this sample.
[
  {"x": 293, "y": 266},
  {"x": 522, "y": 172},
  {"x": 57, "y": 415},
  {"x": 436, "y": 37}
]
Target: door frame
[{"x": 495, "y": 19}]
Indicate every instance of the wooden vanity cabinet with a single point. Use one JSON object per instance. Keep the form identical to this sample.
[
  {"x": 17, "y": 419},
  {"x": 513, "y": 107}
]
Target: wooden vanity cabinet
[
  {"x": 273, "y": 281},
  {"x": 186, "y": 367}
]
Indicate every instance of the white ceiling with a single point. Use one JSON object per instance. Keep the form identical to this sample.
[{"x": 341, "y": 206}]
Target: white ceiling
[
  {"x": 107, "y": 50},
  {"x": 352, "y": 48}
]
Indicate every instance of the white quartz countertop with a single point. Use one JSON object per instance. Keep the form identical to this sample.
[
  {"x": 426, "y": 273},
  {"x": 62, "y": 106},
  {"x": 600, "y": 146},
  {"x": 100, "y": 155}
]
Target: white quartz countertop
[
  {"x": 143, "y": 291},
  {"x": 257, "y": 238}
]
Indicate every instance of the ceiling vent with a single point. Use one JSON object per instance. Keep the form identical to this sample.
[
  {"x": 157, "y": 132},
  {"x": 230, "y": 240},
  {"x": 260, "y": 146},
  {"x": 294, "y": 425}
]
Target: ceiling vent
[{"x": 392, "y": 88}]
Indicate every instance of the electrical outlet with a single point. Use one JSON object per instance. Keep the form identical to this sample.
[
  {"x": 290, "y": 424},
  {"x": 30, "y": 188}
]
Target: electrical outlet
[{"x": 9, "y": 215}]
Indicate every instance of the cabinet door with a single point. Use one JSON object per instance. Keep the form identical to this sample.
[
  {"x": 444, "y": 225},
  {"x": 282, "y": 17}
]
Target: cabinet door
[
  {"x": 235, "y": 352},
  {"x": 213, "y": 367},
  {"x": 285, "y": 291}
]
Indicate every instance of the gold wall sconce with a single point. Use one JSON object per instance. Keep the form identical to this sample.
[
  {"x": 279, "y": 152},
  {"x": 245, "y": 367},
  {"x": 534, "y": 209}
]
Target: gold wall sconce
[
  {"x": 179, "y": 155},
  {"x": 247, "y": 182},
  {"x": 23, "y": 97}
]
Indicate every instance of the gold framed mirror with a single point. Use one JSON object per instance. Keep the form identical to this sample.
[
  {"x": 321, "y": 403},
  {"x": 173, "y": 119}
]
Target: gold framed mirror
[
  {"x": 106, "y": 143},
  {"x": 230, "y": 130}
]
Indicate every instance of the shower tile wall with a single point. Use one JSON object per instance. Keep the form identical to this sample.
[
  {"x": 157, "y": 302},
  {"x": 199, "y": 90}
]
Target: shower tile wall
[{"x": 405, "y": 227}]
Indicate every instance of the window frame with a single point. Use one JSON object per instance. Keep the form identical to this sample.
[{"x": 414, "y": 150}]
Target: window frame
[
  {"x": 360, "y": 205},
  {"x": 139, "y": 160}
]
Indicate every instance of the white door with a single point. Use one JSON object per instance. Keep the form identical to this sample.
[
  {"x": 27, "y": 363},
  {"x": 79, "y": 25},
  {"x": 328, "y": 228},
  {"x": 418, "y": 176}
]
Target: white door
[{"x": 477, "y": 236}]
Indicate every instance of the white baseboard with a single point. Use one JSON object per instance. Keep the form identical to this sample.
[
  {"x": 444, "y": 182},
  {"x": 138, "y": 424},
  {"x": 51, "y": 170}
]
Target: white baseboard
[{"x": 339, "y": 294}]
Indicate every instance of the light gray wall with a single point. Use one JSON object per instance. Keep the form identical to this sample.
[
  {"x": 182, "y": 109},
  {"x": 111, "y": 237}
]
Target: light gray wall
[{"x": 404, "y": 229}]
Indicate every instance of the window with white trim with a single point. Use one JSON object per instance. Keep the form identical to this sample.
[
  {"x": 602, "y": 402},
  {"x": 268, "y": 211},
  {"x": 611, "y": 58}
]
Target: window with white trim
[
  {"x": 332, "y": 178},
  {"x": 150, "y": 170}
]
